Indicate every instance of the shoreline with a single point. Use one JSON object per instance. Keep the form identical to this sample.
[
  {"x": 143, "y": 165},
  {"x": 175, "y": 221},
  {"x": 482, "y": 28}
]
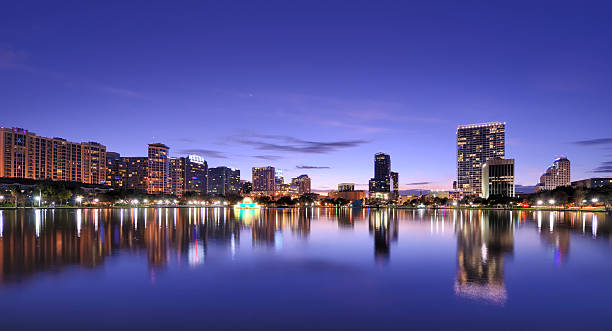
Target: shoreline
[{"x": 597, "y": 209}]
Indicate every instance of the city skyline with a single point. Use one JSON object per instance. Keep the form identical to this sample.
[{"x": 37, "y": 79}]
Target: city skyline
[{"x": 356, "y": 83}]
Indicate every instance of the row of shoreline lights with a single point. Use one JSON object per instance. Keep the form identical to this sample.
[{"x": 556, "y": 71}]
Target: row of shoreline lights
[{"x": 552, "y": 202}]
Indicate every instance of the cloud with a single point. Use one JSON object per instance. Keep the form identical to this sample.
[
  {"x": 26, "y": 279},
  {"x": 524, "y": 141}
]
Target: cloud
[
  {"x": 121, "y": 92},
  {"x": 268, "y": 157},
  {"x": 418, "y": 183},
  {"x": 295, "y": 145},
  {"x": 594, "y": 142},
  {"x": 604, "y": 167},
  {"x": 10, "y": 58},
  {"x": 206, "y": 153},
  {"x": 186, "y": 140},
  {"x": 311, "y": 167}
]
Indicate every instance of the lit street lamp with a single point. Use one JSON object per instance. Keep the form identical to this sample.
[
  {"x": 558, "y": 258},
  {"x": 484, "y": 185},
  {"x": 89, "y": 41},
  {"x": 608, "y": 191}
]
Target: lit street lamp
[
  {"x": 540, "y": 202},
  {"x": 552, "y": 202},
  {"x": 594, "y": 200},
  {"x": 37, "y": 198},
  {"x": 79, "y": 199}
]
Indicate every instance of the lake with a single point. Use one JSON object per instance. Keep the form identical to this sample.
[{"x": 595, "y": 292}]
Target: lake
[{"x": 224, "y": 268}]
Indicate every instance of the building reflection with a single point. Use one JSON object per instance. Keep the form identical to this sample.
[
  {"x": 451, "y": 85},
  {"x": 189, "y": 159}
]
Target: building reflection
[
  {"x": 33, "y": 241},
  {"x": 484, "y": 239},
  {"x": 383, "y": 224}
]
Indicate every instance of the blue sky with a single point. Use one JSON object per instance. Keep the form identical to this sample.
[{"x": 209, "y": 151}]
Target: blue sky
[{"x": 316, "y": 87}]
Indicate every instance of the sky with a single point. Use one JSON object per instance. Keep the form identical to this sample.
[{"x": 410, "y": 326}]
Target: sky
[{"x": 316, "y": 87}]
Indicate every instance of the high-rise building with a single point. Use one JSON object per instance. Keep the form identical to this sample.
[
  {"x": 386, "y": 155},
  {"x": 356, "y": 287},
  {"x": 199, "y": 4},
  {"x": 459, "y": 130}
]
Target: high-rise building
[
  {"x": 382, "y": 173},
  {"x": 279, "y": 180},
  {"x": 158, "y": 169},
  {"x": 136, "y": 173},
  {"x": 115, "y": 170},
  {"x": 558, "y": 174},
  {"x": 177, "y": 176},
  {"x": 264, "y": 179},
  {"x": 188, "y": 174},
  {"x": 394, "y": 176},
  {"x": 498, "y": 178},
  {"x": 26, "y": 155},
  {"x": 246, "y": 186},
  {"x": 301, "y": 183},
  {"x": 477, "y": 143},
  {"x": 223, "y": 181},
  {"x": 346, "y": 187}
]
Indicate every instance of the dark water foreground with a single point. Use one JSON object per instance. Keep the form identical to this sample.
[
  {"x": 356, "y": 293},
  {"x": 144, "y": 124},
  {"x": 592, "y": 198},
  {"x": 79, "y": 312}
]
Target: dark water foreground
[{"x": 304, "y": 268}]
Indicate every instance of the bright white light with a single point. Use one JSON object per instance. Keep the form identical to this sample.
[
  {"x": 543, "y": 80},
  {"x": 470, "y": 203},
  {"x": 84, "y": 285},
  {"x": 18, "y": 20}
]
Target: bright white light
[
  {"x": 145, "y": 201},
  {"x": 1, "y": 197},
  {"x": 540, "y": 202},
  {"x": 594, "y": 200},
  {"x": 454, "y": 203},
  {"x": 167, "y": 201},
  {"x": 96, "y": 200},
  {"x": 79, "y": 199},
  {"x": 37, "y": 198},
  {"x": 552, "y": 202}
]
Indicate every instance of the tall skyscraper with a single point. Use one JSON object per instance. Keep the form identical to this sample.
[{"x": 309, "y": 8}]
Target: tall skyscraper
[
  {"x": 498, "y": 178},
  {"x": 477, "y": 143},
  {"x": 158, "y": 169},
  {"x": 264, "y": 179},
  {"x": 558, "y": 174},
  {"x": 223, "y": 181},
  {"x": 301, "y": 183},
  {"x": 25, "y": 155},
  {"x": 382, "y": 173}
]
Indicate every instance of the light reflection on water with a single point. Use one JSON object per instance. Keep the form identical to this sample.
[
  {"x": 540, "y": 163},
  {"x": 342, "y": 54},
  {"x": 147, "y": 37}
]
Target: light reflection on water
[{"x": 407, "y": 248}]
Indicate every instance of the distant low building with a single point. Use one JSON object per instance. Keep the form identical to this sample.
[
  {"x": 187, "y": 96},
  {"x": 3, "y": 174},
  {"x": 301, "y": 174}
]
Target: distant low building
[
  {"x": 346, "y": 187},
  {"x": 592, "y": 182},
  {"x": 348, "y": 195}
]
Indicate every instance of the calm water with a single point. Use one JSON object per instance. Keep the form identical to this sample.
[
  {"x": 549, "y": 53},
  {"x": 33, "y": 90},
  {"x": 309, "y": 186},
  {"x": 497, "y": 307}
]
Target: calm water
[{"x": 304, "y": 268}]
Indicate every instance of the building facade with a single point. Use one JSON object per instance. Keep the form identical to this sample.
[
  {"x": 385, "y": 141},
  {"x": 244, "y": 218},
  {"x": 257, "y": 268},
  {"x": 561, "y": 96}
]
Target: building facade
[
  {"x": 557, "y": 175},
  {"x": 158, "y": 174},
  {"x": 394, "y": 184},
  {"x": 477, "y": 143},
  {"x": 26, "y": 155},
  {"x": 346, "y": 187},
  {"x": 301, "y": 184},
  {"x": 223, "y": 181},
  {"x": 177, "y": 176},
  {"x": 592, "y": 182},
  {"x": 264, "y": 179},
  {"x": 498, "y": 178}
]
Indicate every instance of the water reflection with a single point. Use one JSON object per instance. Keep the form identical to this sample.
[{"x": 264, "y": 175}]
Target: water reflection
[{"x": 33, "y": 241}]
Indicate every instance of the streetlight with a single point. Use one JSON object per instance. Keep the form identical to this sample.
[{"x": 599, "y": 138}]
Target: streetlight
[
  {"x": 551, "y": 201},
  {"x": 37, "y": 198},
  {"x": 594, "y": 200},
  {"x": 79, "y": 199},
  {"x": 96, "y": 200},
  {"x": 540, "y": 202}
]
